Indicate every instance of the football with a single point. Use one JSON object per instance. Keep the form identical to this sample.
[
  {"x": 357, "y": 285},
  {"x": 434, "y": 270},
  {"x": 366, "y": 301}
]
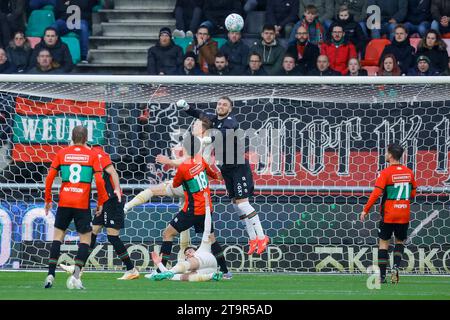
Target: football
[{"x": 234, "y": 22}]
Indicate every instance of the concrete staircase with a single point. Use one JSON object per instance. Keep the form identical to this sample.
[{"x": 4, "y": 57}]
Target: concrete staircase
[{"x": 122, "y": 36}]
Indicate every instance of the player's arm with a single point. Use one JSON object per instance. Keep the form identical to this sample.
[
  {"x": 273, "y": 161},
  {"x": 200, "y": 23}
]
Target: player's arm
[
  {"x": 171, "y": 162},
  {"x": 212, "y": 173},
  {"x": 380, "y": 184},
  {"x": 184, "y": 106},
  {"x": 52, "y": 172},
  {"x": 115, "y": 177}
]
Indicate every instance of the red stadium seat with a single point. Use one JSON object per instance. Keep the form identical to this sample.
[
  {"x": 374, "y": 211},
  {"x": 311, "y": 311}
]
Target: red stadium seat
[
  {"x": 414, "y": 42},
  {"x": 34, "y": 41},
  {"x": 371, "y": 70},
  {"x": 373, "y": 52},
  {"x": 446, "y": 35}
]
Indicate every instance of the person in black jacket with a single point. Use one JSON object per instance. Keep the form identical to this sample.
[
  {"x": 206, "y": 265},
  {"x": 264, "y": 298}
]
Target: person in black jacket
[
  {"x": 401, "y": 48},
  {"x": 15, "y": 13},
  {"x": 58, "y": 50},
  {"x": 447, "y": 70},
  {"x": 323, "y": 68},
  {"x": 283, "y": 14},
  {"x": 19, "y": 51},
  {"x": 190, "y": 66},
  {"x": 236, "y": 51},
  {"x": 353, "y": 31},
  {"x": 220, "y": 67},
  {"x": 65, "y": 23},
  {"x": 188, "y": 14},
  {"x": 418, "y": 19},
  {"x": 255, "y": 67},
  {"x": 423, "y": 68},
  {"x": 305, "y": 52},
  {"x": 288, "y": 68},
  {"x": 45, "y": 64},
  {"x": 216, "y": 11},
  {"x": 5, "y": 65},
  {"x": 165, "y": 57},
  {"x": 434, "y": 48}
]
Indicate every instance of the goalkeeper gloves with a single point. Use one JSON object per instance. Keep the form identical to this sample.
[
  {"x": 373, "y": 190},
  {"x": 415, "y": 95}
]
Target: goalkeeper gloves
[{"x": 182, "y": 104}]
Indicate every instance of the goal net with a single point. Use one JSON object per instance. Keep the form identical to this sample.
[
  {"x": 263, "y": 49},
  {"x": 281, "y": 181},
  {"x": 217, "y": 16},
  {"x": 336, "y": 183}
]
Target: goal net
[{"x": 315, "y": 146}]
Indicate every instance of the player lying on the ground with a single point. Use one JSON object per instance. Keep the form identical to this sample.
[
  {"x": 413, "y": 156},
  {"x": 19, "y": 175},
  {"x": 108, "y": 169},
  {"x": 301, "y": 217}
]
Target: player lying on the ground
[
  {"x": 199, "y": 130},
  {"x": 397, "y": 185},
  {"x": 77, "y": 164},
  {"x": 237, "y": 176},
  {"x": 199, "y": 265},
  {"x": 111, "y": 217}
]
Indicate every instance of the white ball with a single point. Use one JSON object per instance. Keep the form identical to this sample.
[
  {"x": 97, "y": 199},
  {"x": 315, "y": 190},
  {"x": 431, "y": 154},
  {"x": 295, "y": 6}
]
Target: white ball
[{"x": 234, "y": 22}]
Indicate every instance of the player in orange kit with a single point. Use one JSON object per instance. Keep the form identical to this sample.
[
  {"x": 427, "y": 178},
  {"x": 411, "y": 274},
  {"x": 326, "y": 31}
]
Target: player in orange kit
[
  {"x": 397, "y": 185},
  {"x": 77, "y": 165}
]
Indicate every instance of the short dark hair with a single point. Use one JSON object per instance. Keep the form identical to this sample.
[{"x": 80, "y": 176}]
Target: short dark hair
[
  {"x": 206, "y": 123},
  {"x": 51, "y": 29},
  {"x": 396, "y": 151},
  {"x": 79, "y": 135},
  {"x": 221, "y": 55},
  {"x": 226, "y": 98},
  {"x": 45, "y": 49},
  {"x": 270, "y": 27},
  {"x": 192, "y": 145},
  {"x": 401, "y": 26},
  {"x": 256, "y": 54}
]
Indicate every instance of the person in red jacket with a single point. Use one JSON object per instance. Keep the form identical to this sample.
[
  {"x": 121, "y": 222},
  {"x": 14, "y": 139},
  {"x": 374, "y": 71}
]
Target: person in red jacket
[
  {"x": 338, "y": 50},
  {"x": 398, "y": 186}
]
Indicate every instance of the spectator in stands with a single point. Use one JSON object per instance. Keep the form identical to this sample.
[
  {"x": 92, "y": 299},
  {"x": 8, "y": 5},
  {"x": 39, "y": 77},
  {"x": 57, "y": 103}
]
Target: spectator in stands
[
  {"x": 252, "y": 5},
  {"x": 440, "y": 12},
  {"x": 4, "y": 31},
  {"x": 15, "y": 11},
  {"x": 418, "y": 19},
  {"x": 270, "y": 50},
  {"x": 19, "y": 51},
  {"x": 288, "y": 68},
  {"x": 310, "y": 21},
  {"x": 215, "y": 12},
  {"x": 5, "y": 65},
  {"x": 204, "y": 48},
  {"x": 190, "y": 66},
  {"x": 165, "y": 57},
  {"x": 354, "y": 68},
  {"x": 38, "y": 4},
  {"x": 423, "y": 68},
  {"x": 338, "y": 50},
  {"x": 389, "y": 66},
  {"x": 59, "y": 50},
  {"x": 435, "y": 49},
  {"x": 220, "y": 67},
  {"x": 353, "y": 31},
  {"x": 45, "y": 64},
  {"x": 325, "y": 10},
  {"x": 401, "y": 48},
  {"x": 305, "y": 52},
  {"x": 236, "y": 51},
  {"x": 323, "y": 68},
  {"x": 188, "y": 14},
  {"x": 357, "y": 9},
  {"x": 283, "y": 14},
  {"x": 64, "y": 24},
  {"x": 392, "y": 13},
  {"x": 447, "y": 70},
  {"x": 255, "y": 67}
]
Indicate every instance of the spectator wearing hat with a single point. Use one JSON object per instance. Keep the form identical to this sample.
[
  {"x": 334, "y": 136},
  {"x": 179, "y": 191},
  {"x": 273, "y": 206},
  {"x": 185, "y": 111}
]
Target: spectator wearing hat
[
  {"x": 190, "y": 66},
  {"x": 434, "y": 48},
  {"x": 423, "y": 68},
  {"x": 204, "y": 48},
  {"x": 165, "y": 57}
]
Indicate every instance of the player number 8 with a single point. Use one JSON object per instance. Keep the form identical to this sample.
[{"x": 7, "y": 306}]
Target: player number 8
[{"x": 75, "y": 173}]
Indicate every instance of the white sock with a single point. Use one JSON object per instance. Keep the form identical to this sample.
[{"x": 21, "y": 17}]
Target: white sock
[
  {"x": 248, "y": 225},
  {"x": 181, "y": 267},
  {"x": 252, "y": 218},
  {"x": 185, "y": 240},
  {"x": 142, "y": 197}
]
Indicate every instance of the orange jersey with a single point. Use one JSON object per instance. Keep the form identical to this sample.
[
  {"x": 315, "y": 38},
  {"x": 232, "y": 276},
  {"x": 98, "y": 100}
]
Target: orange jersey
[
  {"x": 192, "y": 175},
  {"x": 397, "y": 185},
  {"x": 77, "y": 165}
]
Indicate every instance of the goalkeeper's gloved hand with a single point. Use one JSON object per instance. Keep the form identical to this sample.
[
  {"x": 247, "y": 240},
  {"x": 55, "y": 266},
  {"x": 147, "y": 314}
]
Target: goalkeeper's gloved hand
[{"x": 182, "y": 104}]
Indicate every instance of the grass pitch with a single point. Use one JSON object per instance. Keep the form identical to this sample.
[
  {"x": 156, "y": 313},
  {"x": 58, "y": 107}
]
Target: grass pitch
[{"x": 104, "y": 286}]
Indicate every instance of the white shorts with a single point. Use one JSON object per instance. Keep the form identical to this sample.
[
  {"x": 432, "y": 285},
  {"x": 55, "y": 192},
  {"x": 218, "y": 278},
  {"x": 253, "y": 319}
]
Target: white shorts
[
  {"x": 207, "y": 263},
  {"x": 173, "y": 192}
]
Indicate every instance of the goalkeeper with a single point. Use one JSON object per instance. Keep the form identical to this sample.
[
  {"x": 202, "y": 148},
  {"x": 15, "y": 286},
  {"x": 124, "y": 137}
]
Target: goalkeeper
[
  {"x": 199, "y": 265},
  {"x": 237, "y": 176}
]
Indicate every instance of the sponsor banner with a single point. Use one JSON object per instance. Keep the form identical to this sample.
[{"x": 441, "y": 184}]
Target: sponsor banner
[{"x": 40, "y": 129}]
